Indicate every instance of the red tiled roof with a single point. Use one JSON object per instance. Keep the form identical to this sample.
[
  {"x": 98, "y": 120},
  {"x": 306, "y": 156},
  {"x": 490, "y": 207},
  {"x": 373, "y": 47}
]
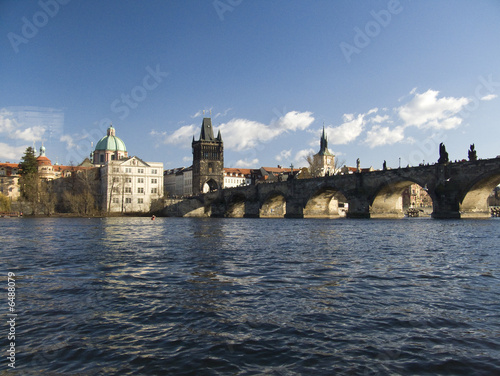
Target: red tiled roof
[
  {"x": 278, "y": 169},
  {"x": 10, "y": 165},
  {"x": 243, "y": 171}
]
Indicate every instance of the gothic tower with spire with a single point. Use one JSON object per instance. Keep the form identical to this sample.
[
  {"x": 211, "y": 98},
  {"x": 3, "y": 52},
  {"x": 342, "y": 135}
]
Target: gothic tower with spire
[
  {"x": 208, "y": 160},
  {"x": 323, "y": 161}
]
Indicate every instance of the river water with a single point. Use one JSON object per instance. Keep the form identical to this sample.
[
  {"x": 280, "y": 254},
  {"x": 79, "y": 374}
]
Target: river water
[{"x": 180, "y": 296}]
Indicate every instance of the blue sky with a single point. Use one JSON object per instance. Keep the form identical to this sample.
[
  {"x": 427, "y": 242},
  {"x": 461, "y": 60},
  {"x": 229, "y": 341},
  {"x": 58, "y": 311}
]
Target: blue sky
[{"x": 387, "y": 79}]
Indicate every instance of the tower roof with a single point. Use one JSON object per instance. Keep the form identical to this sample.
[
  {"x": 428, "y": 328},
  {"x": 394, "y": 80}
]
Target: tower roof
[
  {"x": 111, "y": 142},
  {"x": 207, "y": 132},
  {"x": 323, "y": 144},
  {"x": 42, "y": 159}
]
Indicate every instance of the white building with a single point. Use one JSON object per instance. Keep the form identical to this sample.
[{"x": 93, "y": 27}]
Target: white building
[
  {"x": 131, "y": 185},
  {"x": 237, "y": 177},
  {"x": 128, "y": 184}
]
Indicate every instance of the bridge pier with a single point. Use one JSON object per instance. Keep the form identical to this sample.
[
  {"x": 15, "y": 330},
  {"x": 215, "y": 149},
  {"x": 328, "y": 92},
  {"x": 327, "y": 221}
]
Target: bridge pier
[
  {"x": 446, "y": 207},
  {"x": 252, "y": 209},
  {"x": 358, "y": 208},
  {"x": 294, "y": 210}
]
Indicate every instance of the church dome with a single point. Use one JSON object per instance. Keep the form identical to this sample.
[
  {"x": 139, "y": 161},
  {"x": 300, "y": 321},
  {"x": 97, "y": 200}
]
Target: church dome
[{"x": 111, "y": 142}]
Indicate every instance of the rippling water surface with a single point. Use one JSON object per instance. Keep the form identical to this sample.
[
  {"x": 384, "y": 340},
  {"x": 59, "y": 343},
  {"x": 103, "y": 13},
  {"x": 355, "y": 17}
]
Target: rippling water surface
[{"x": 131, "y": 296}]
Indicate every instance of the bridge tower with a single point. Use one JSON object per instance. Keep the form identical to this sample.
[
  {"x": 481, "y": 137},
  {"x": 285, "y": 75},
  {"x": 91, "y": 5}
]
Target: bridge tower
[
  {"x": 208, "y": 160},
  {"x": 324, "y": 160}
]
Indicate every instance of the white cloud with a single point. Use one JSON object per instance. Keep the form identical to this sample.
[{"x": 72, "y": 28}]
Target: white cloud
[
  {"x": 31, "y": 123},
  {"x": 29, "y": 134},
  {"x": 187, "y": 159},
  {"x": 11, "y": 153},
  {"x": 198, "y": 114},
  {"x": 7, "y": 123},
  {"x": 295, "y": 120},
  {"x": 181, "y": 137},
  {"x": 70, "y": 143},
  {"x": 489, "y": 97},
  {"x": 247, "y": 164},
  {"x": 378, "y": 136},
  {"x": 427, "y": 111},
  {"x": 243, "y": 134},
  {"x": 347, "y": 131},
  {"x": 300, "y": 156},
  {"x": 284, "y": 155},
  {"x": 222, "y": 113},
  {"x": 379, "y": 119}
]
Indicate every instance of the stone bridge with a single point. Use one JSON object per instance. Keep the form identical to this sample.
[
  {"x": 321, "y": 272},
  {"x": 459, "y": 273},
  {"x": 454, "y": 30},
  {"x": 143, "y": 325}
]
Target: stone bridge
[{"x": 457, "y": 190}]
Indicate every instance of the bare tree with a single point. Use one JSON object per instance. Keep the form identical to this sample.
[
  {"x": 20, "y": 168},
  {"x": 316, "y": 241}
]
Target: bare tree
[{"x": 316, "y": 168}]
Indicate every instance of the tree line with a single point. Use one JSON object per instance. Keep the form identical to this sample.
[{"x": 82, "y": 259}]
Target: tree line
[{"x": 77, "y": 193}]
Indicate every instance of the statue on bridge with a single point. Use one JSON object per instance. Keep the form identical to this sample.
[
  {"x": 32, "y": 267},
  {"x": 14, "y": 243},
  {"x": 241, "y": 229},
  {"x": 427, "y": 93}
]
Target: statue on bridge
[
  {"x": 384, "y": 166},
  {"x": 358, "y": 165},
  {"x": 472, "y": 153},
  {"x": 443, "y": 154}
]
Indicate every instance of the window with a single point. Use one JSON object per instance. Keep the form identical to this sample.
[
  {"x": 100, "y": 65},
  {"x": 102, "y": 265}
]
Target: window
[
  {"x": 128, "y": 170},
  {"x": 2, "y": 172},
  {"x": 128, "y": 189},
  {"x": 154, "y": 181},
  {"x": 128, "y": 200},
  {"x": 154, "y": 190},
  {"x": 140, "y": 190},
  {"x": 101, "y": 158},
  {"x": 140, "y": 180},
  {"x": 116, "y": 169},
  {"x": 140, "y": 170},
  {"x": 115, "y": 200},
  {"x": 140, "y": 200},
  {"x": 154, "y": 171},
  {"x": 115, "y": 190},
  {"x": 128, "y": 180},
  {"x": 116, "y": 179}
]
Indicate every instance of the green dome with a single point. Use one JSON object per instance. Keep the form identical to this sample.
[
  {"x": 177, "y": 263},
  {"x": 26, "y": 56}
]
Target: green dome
[{"x": 111, "y": 142}]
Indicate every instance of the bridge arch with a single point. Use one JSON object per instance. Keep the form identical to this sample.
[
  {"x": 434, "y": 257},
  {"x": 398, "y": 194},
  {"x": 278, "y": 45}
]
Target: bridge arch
[
  {"x": 474, "y": 200},
  {"x": 235, "y": 207},
  {"x": 273, "y": 206},
  {"x": 209, "y": 186},
  {"x": 387, "y": 201},
  {"x": 327, "y": 202}
]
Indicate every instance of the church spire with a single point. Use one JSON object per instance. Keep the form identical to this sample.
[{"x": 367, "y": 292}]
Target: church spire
[{"x": 323, "y": 144}]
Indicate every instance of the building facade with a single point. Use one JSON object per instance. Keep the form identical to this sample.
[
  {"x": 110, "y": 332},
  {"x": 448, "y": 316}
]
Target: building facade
[
  {"x": 9, "y": 180},
  {"x": 178, "y": 181},
  {"x": 237, "y": 177},
  {"x": 130, "y": 185},
  {"x": 208, "y": 160}
]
